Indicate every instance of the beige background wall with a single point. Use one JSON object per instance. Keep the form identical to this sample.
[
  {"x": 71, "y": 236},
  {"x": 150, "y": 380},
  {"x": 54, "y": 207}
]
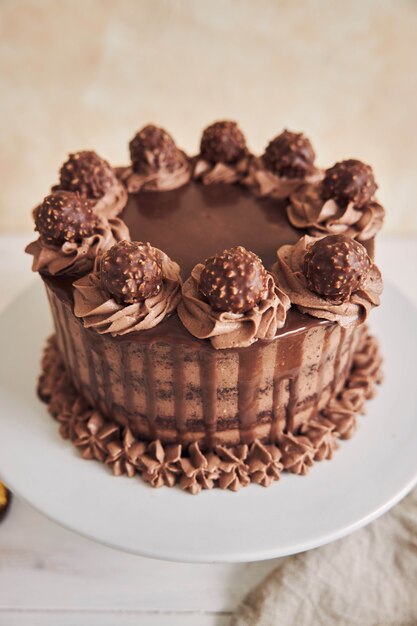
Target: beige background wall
[{"x": 78, "y": 74}]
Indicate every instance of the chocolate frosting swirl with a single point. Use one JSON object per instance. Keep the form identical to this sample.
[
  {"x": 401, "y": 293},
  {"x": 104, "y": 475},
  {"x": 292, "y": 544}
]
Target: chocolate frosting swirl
[
  {"x": 123, "y": 454},
  {"x": 160, "y": 465},
  {"x": 231, "y": 330},
  {"x": 199, "y": 471},
  {"x": 289, "y": 273},
  {"x": 323, "y": 436},
  {"x": 78, "y": 257},
  {"x": 264, "y": 463},
  {"x": 234, "y": 471},
  {"x": 297, "y": 453},
  {"x": 111, "y": 203},
  {"x": 101, "y": 312},
  {"x": 228, "y": 173},
  {"x": 307, "y": 210},
  {"x": 156, "y": 179},
  {"x": 263, "y": 182}
]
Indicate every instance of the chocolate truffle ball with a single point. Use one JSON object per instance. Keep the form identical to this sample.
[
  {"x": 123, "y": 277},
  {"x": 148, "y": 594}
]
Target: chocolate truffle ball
[
  {"x": 290, "y": 155},
  {"x": 223, "y": 142},
  {"x": 131, "y": 272},
  {"x": 65, "y": 216},
  {"x": 87, "y": 173},
  {"x": 234, "y": 281},
  {"x": 5, "y": 500},
  {"x": 349, "y": 181},
  {"x": 153, "y": 146},
  {"x": 336, "y": 266}
]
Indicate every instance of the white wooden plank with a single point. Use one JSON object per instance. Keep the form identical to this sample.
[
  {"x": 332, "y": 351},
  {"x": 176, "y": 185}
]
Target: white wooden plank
[
  {"x": 45, "y": 566},
  {"x": 76, "y": 618}
]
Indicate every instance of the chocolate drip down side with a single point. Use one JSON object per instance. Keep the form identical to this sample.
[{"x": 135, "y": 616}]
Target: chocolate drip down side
[
  {"x": 185, "y": 391},
  {"x": 192, "y": 467}
]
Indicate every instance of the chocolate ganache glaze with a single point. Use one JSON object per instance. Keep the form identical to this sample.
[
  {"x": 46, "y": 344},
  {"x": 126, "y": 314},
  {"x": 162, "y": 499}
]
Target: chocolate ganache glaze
[
  {"x": 166, "y": 384},
  {"x": 197, "y": 221}
]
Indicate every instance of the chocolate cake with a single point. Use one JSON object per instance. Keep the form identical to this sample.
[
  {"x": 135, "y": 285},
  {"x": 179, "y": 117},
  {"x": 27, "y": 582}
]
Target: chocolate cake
[{"x": 210, "y": 311}]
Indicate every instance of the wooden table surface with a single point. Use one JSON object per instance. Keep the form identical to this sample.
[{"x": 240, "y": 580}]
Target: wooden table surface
[{"x": 51, "y": 576}]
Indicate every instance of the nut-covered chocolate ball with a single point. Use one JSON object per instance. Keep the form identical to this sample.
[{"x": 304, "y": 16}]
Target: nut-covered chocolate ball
[
  {"x": 223, "y": 142},
  {"x": 336, "y": 266},
  {"x": 349, "y": 181},
  {"x": 154, "y": 147},
  {"x": 65, "y": 216},
  {"x": 234, "y": 281},
  {"x": 131, "y": 272},
  {"x": 290, "y": 155},
  {"x": 86, "y": 173}
]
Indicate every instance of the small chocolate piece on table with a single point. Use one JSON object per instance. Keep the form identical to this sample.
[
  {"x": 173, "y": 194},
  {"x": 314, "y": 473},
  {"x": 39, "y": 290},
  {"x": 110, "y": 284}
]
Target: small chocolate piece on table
[
  {"x": 290, "y": 155},
  {"x": 87, "y": 173},
  {"x": 336, "y": 266},
  {"x": 153, "y": 146},
  {"x": 5, "y": 499},
  {"x": 234, "y": 281},
  {"x": 130, "y": 272},
  {"x": 223, "y": 142},
  {"x": 349, "y": 181},
  {"x": 65, "y": 216}
]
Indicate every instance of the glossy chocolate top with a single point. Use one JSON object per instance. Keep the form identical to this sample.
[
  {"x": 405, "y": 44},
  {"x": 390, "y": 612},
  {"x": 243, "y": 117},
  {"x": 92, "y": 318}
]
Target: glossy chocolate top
[
  {"x": 195, "y": 222},
  {"x": 198, "y": 221}
]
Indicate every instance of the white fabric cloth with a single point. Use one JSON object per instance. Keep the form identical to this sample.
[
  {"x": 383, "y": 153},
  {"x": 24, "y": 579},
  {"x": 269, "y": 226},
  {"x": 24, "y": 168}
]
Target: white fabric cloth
[{"x": 366, "y": 579}]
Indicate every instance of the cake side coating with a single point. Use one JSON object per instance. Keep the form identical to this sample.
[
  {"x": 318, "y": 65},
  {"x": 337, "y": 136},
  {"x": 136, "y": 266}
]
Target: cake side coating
[
  {"x": 178, "y": 389},
  {"x": 192, "y": 468}
]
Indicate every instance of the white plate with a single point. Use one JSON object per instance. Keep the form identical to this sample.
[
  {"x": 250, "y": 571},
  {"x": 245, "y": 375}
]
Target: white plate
[{"x": 367, "y": 475}]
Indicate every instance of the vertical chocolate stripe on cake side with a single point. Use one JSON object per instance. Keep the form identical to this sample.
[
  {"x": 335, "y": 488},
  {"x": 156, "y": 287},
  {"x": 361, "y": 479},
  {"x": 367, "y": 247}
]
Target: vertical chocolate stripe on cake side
[
  {"x": 107, "y": 379},
  {"x": 208, "y": 383},
  {"x": 338, "y": 359},
  {"x": 178, "y": 384},
  {"x": 321, "y": 369},
  {"x": 149, "y": 381},
  {"x": 72, "y": 350},
  {"x": 126, "y": 371},
  {"x": 291, "y": 404},
  {"x": 249, "y": 381},
  {"x": 93, "y": 386},
  {"x": 292, "y": 362},
  {"x": 55, "y": 310},
  {"x": 278, "y": 405}
]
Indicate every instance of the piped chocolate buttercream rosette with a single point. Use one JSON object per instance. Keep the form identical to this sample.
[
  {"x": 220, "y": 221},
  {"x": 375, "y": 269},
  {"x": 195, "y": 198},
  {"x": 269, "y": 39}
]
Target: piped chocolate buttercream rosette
[
  {"x": 342, "y": 203},
  {"x": 287, "y": 163},
  {"x": 224, "y": 156},
  {"x": 93, "y": 178},
  {"x": 71, "y": 234},
  {"x": 232, "y": 300},
  {"x": 157, "y": 163},
  {"x": 330, "y": 278},
  {"x": 132, "y": 288}
]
